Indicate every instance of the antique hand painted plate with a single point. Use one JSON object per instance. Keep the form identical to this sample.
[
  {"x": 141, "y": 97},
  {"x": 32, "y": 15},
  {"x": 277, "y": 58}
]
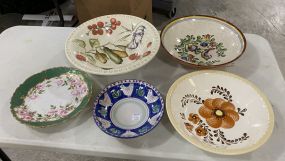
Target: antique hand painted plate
[
  {"x": 128, "y": 109},
  {"x": 219, "y": 112},
  {"x": 51, "y": 97},
  {"x": 203, "y": 41},
  {"x": 112, "y": 44}
]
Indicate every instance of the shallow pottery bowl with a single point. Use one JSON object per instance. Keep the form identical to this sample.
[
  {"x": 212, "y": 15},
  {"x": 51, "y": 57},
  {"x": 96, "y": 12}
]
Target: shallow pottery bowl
[
  {"x": 219, "y": 112},
  {"x": 203, "y": 41},
  {"x": 128, "y": 109},
  {"x": 51, "y": 97},
  {"x": 112, "y": 44}
]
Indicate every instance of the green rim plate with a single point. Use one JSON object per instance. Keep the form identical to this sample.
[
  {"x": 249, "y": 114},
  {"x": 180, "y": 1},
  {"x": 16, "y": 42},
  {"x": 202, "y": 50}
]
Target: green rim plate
[{"x": 22, "y": 96}]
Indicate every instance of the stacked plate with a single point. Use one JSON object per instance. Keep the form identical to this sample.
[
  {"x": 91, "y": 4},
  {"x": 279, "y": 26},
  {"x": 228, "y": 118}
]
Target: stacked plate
[
  {"x": 216, "y": 111},
  {"x": 51, "y": 97}
]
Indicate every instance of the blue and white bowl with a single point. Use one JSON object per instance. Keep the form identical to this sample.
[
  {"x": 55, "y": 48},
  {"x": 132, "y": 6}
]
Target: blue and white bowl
[{"x": 128, "y": 108}]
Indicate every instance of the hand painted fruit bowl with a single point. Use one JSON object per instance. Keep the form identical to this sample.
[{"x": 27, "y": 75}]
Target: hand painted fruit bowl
[
  {"x": 203, "y": 41},
  {"x": 51, "y": 97},
  {"x": 220, "y": 112},
  {"x": 112, "y": 44},
  {"x": 128, "y": 109}
]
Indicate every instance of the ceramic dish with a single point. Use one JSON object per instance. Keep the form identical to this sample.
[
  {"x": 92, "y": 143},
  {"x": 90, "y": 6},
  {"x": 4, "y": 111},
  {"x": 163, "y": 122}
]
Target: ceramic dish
[
  {"x": 128, "y": 109},
  {"x": 112, "y": 44},
  {"x": 51, "y": 97},
  {"x": 220, "y": 112},
  {"x": 203, "y": 41}
]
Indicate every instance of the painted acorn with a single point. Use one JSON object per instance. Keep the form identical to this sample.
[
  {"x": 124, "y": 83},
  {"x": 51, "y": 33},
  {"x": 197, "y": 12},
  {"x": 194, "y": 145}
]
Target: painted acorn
[
  {"x": 192, "y": 48},
  {"x": 190, "y": 57}
]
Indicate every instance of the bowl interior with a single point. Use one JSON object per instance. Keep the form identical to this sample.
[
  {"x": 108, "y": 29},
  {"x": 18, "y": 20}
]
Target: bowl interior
[
  {"x": 129, "y": 113},
  {"x": 220, "y": 112},
  {"x": 128, "y": 108},
  {"x": 112, "y": 44},
  {"x": 204, "y": 41}
]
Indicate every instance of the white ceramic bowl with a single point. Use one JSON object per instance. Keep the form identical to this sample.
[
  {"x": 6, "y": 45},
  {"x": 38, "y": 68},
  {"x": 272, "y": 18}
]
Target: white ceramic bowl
[
  {"x": 219, "y": 112},
  {"x": 112, "y": 44},
  {"x": 203, "y": 41}
]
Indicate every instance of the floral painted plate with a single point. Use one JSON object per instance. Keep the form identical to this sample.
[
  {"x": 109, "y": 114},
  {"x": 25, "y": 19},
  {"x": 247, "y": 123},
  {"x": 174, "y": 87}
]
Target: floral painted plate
[
  {"x": 51, "y": 97},
  {"x": 128, "y": 109},
  {"x": 203, "y": 41},
  {"x": 219, "y": 112},
  {"x": 112, "y": 44}
]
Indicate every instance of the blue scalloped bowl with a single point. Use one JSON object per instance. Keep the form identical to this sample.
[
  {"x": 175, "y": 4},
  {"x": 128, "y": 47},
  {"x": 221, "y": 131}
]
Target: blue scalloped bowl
[{"x": 128, "y": 108}]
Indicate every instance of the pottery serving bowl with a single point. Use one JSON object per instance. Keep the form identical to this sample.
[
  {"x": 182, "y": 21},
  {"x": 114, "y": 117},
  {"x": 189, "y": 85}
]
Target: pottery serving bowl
[
  {"x": 128, "y": 109},
  {"x": 51, "y": 97},
  {"x": 220, "y": 112},
  {"x": 112, "y": 44},
  {"x": 203, "y": 41}
]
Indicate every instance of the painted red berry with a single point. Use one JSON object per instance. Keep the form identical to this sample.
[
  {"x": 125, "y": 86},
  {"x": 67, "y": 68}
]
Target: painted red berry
[
  {"x": 133, "y": 56},
  {"x": 109, "y": 31},
  {"x": 80, "y": 57},
  {"x": 95, "y": 32},
  {"x": 113, "y": 20},
  {"x": 100, "y": 32},
  {"x": 89, "y": 27},
  {"x": 146, "y": 53},
  {"x": 113, "y": 27},
  {"x": 118, "y": 23},
  {"x": 100, "y": 24},
  {"x": 94, "y": 26}
]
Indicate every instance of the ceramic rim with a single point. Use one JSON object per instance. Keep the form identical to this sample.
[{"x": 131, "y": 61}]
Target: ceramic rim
[
  {"x": 205, "y": 147},
  {"x": 123, "y": 69},
  {"x": 22, "y": 89},
  {"x": 128, "y": 81},
  {"x": 166, "y": 27}
]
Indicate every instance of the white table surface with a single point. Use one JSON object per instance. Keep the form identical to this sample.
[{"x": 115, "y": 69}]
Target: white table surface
[{"x": 27, "y": 50}]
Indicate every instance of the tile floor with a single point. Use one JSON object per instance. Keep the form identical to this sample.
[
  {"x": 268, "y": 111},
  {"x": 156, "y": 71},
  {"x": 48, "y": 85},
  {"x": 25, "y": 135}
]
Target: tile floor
[{"x": 263, "y": 17}]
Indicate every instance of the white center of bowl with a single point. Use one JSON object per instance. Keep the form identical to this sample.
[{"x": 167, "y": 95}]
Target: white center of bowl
[{"x": 129, "y": 113}]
